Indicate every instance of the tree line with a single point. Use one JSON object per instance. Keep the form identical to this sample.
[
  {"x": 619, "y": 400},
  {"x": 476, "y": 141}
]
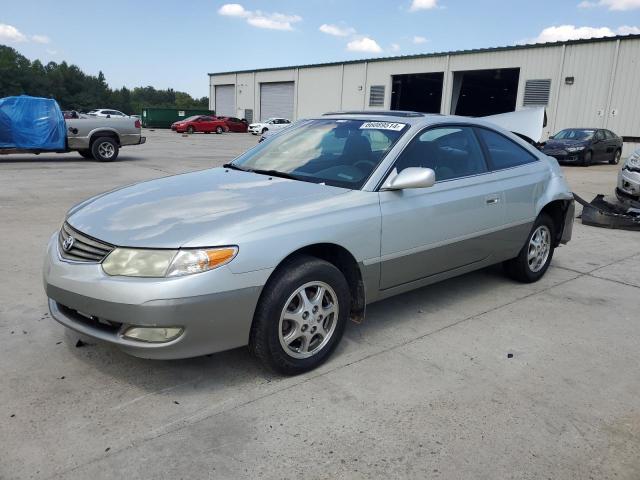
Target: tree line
[{"x": 75, "y": 90}]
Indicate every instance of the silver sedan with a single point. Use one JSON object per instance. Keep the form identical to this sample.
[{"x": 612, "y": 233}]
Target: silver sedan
[{"x": 281, "y": 247}]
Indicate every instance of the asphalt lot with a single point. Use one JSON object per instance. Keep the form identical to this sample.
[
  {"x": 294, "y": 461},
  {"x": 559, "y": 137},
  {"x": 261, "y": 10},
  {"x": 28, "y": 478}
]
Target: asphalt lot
[{"x": 424, "y": 388}]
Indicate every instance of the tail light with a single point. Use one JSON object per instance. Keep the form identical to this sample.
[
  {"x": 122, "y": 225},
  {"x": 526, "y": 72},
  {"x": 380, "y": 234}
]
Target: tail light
[{"x": 137, "y": 124}]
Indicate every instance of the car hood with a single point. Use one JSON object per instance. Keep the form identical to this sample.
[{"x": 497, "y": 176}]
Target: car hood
[
  {"x": 553, "y": 144},
  {"x": 171, "y": 212}
]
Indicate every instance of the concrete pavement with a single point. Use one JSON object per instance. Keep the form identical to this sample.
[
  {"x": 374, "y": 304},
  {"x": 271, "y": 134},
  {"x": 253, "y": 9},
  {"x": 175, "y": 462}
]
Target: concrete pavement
[{"x": 477, "y": 377}]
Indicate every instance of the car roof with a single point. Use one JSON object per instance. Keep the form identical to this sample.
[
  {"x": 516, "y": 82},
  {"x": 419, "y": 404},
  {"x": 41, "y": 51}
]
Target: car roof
[{"x": 411, "y": 118}]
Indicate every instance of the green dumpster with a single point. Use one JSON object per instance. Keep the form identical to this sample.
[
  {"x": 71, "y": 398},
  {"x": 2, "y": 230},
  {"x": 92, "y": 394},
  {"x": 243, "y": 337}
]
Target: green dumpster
[{"x": 164, "y": 117}]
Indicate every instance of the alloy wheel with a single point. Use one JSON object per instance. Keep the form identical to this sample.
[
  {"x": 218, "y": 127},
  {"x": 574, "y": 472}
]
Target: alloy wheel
[
  {"x": 106, "y": 150},
  {"x": 308, "y": 319},
  {"x": 539, "y": 248}
]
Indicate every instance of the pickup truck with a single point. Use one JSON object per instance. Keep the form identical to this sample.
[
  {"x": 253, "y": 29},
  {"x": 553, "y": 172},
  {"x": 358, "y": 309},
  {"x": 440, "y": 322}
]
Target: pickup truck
[
  {"x": 100, "y": 138},
  {"x": 36, "y": 125}
]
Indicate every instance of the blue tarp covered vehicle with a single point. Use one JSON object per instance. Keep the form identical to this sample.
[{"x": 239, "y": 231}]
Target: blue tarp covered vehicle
[{"x": 31, "y": 123}]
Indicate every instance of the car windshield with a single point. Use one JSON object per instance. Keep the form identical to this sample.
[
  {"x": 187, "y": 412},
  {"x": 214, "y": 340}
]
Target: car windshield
[
  {"x": 341, "y": 153},
  {"x": 574, "y": 134},
  {"x": 190, "y": 119}
]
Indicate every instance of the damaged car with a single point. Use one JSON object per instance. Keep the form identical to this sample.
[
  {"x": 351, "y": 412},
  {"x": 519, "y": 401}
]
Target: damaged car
[
  {"x": 279, "y": 248},
  {"x": 628, "y": 189}
]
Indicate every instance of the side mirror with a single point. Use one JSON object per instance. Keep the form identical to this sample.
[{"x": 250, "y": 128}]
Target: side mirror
[
  {"x": 551, "y": 137},
  {"x": 411, "y": 177}
]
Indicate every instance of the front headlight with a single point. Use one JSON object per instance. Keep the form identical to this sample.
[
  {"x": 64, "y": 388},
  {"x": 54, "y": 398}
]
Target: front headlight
[
  {"x": 132, "y": 262},
  {"x": 575, "y": 149},
  {"x": 633, "y": 162}
]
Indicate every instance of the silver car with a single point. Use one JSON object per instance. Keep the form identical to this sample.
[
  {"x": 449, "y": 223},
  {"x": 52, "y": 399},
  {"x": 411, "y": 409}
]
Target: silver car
[
  {"x": 628, "y": 189},
  {"x": 281, "y": 247}
]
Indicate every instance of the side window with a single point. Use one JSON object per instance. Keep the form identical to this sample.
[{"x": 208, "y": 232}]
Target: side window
[
  {"x": 452, "y": 152},
  {"x": 503, "y": 152},
  {"x": 600, "y": 135}
]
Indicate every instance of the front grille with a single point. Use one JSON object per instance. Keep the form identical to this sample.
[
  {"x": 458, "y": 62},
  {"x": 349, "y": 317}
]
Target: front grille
[
  {"x": 559, "y": 152},
  {"x": 90, "y": 320},
  {"x": 83, "y": 248}
]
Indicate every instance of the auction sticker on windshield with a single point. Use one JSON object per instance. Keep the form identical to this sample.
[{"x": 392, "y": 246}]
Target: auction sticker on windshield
[{"x": 383, "y": 126}]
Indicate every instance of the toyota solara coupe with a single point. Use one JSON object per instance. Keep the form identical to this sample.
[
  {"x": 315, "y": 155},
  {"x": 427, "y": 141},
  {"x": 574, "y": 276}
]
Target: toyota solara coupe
[{"x": 278, "y": 249}]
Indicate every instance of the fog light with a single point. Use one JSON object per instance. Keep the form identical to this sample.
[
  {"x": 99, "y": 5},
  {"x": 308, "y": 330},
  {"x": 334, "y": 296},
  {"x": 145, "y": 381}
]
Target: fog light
[{"x": 153, "y": 334}]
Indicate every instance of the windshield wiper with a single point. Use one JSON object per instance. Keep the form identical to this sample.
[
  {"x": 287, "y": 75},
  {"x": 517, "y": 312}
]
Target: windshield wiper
[
  {"x": 275, "y": 173},
  {"x": 234, "y": 167}
]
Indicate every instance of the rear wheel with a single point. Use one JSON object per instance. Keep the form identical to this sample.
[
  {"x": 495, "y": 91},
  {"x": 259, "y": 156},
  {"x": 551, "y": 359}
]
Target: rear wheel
[
  {"x": 86, "y": 154},
  {"x": 533, "y": 260},
  {"x": 190, "y": 129},
  {"x": 616, "y": 157},
  {"x": 105, "y": 149},
  {"x": 587, "y": 159},
  {"x": 219, "y": 129},
  {"x": 301, "y": 316}
]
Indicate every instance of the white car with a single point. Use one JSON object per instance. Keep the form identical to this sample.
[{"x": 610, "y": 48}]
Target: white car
[
  {"x": 271, "y": 124},
  {"x": 104, "y": 112}
]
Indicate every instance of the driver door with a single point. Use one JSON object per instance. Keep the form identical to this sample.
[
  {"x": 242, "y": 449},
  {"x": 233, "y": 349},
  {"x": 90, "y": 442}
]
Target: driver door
[{"x": 426, "y": 231}]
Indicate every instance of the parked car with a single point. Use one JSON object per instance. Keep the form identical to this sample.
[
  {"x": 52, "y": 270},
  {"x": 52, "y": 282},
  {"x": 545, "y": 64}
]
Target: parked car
[
  {"x": 628, "y": 189},
  {"x": 235, "y": 124},
  {"x": 103, "y": 112},
  {"x": 584, "y": 146},
  {"x": 279, "y": 248},
  {"x": 70, "y": 114},
  {"x": 200, "y": 123},
  {"x": 271, "y": 124}
]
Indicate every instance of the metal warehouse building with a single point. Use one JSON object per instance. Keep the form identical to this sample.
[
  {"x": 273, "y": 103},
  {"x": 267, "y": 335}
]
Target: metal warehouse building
[{"x": 582, "y": 83}]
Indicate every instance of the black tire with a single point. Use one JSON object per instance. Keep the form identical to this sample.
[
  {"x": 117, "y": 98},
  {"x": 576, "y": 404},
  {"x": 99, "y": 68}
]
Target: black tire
[
  {"x": 105, "y": 149},
  {"x": 219, "y": 129},
  {"x": 519, "y": 268},
  {"x": 86, "y": 154},
  {"x": 264, "y": 341},
  {"x": 190, "y": 129},
  {"x": 616, "y": 157},
  {"x": 264, "y": 130},
  {"x": 587, "y": 159}
]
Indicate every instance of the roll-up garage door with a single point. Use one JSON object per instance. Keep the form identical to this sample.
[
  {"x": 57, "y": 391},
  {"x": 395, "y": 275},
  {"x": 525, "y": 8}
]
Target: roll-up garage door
[
  {"x": 225, "y": 100},
  {"x": 276, "y": 100}
]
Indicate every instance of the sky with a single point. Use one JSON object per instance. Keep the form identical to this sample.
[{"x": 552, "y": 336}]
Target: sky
[{"x": 173, "y": 43}]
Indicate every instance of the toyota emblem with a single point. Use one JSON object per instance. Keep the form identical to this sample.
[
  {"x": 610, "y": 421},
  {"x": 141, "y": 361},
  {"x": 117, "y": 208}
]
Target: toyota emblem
[{"x": 68, "y": 243}]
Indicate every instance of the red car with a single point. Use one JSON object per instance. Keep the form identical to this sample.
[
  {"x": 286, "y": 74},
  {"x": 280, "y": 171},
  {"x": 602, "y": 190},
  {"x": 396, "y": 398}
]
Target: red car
[
  {"x": 235, "y": 124},
  {"x": 200, "y": 123}
]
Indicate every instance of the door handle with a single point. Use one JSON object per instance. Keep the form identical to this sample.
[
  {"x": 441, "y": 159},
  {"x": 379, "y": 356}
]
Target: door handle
[{"x": 493, "y": 200}]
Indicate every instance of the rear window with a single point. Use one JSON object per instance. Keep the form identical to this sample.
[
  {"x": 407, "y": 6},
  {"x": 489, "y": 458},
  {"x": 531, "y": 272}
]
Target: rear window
[{"x": 504, "y": 153}]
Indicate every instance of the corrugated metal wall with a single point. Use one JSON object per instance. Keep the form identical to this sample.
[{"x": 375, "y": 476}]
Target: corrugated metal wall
[{"x": 603, "y": 93}]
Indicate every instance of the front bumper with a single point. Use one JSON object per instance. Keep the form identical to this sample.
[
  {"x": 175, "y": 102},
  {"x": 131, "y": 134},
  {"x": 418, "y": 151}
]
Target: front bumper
[
  {"x": 254, "y": 130},
  {"x": 628, "y": 185},
  {"x": 566, "y": 157},
  {"x": 215, "y": 308}
]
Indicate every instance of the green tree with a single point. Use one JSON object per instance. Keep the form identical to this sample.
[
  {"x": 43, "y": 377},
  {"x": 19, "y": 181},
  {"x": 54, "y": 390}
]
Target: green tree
[{"x": 75, "y": 90}]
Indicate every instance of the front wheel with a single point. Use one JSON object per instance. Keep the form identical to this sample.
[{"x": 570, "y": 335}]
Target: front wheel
[
  {"x": 587, "y": 159},
  {"x": 190, "y": 130},
  {"x": 219, "y": 130},
  {"x": 533, "y": 260},
  {"x": 301, "y": 316},
  {"x": 105, "y": 149},
  {"x": 616, "y": 158}
]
